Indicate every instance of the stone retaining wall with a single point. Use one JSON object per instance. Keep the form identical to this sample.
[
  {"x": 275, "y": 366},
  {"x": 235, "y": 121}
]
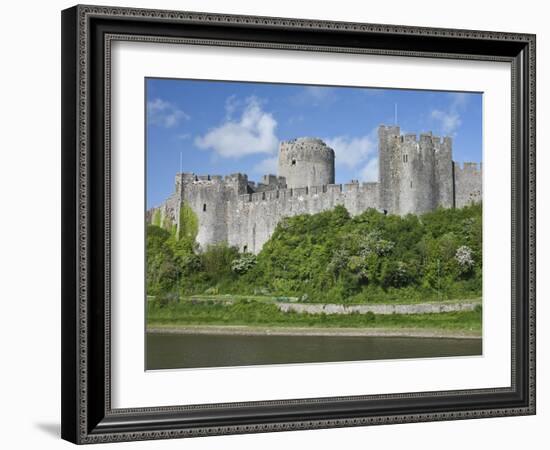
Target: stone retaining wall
[{"x": 420, "y": 308}]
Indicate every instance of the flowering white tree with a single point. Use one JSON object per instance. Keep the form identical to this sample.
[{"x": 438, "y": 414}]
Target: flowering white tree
[{"x": 464, "y": 258}]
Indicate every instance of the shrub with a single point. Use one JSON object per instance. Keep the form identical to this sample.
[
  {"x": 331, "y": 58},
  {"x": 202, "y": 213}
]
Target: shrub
[
  {"x": 244, "y": 263},
  {"x": 370, "y": 316},
  {"x": 166, "y": 299},
  {"x": 216, "y": 260}
]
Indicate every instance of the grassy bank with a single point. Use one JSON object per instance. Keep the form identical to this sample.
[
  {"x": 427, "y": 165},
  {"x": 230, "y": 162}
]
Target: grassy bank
[{"x": 256, "y": 313}]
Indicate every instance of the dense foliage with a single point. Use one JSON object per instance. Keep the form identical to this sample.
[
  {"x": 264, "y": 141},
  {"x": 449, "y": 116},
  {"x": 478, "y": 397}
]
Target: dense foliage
[{"x": 329, "y": 257}]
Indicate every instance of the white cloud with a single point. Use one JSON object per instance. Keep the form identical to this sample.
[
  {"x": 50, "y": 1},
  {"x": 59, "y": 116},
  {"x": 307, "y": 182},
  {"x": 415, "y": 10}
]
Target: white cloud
[
  {"x": 253, "y": 132},
  {"x": 267, "y": 166},
  {"x": 360, "y": 154},
  {"x": 459, "y": 99},
  {"x": 370, "y": 171},
  {"x": 352, "y": 152},
  {"x": 450, "y": 119},
  {"x": 315, "y": 95},
  {"x": 164, "y": 114},
  {"x": 318, "y": 92},
  {"x": 231, "y": 105}
]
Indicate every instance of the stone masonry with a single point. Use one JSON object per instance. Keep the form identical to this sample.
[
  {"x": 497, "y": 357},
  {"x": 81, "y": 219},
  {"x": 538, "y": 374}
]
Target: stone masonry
[{"x": 416, "y": 175}]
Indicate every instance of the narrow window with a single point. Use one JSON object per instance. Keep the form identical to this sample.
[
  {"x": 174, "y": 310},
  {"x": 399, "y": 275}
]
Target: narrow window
[
  {"x": 204, "y": 207},
  {"x": 293, "y": 162},
  {"x": 405, "y": 158},
  {"x": 411, "y": 184},
  {"x": 245, "y": 248}
]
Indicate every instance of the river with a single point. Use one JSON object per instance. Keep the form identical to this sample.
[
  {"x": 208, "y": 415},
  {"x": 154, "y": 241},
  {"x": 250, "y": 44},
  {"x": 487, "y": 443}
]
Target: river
[{"x": 172, "y": 350}]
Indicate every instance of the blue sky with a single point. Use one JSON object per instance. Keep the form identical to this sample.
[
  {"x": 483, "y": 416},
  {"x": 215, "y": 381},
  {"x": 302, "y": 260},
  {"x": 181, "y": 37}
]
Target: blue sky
[{"x": 220, "y": 128}]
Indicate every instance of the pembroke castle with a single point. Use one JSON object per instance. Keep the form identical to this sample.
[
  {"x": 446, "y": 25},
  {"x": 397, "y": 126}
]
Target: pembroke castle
[{"x": 416, "y": 175}]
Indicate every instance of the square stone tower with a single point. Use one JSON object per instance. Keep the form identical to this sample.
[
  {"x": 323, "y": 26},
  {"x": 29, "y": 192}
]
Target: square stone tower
[{"x": 415, "y": 173}]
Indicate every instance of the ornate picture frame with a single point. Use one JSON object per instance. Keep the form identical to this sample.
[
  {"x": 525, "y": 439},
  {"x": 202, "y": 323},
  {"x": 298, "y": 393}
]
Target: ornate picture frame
[{"x": 88, "y": 33}]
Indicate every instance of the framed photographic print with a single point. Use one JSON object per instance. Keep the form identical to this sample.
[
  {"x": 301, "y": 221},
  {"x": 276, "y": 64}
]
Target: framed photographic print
[{"x": 277, "y": 224}]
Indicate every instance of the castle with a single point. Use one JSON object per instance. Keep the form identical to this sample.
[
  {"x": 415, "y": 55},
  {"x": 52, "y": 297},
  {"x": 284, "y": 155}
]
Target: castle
[{"x": 416, "y": 175}]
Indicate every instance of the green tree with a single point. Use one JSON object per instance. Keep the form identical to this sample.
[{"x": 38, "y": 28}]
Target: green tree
[
  {"x": 216, "y": 261},
  {"x": 162, "y": 271}
]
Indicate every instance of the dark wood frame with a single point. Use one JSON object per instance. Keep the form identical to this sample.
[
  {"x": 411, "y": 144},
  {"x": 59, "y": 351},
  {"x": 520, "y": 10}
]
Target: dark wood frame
[{"x": 87, "y": 32}]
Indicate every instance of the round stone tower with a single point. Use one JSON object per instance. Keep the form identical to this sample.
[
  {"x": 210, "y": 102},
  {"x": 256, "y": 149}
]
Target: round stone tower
[{"x": 306, "y": 162}]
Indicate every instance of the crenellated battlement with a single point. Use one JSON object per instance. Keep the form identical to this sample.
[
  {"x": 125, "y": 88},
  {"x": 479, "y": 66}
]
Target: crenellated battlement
[
  {"x": 192, "y": 178},
  {"x": 303, "y": 141},
  {"x": 437, "y": 142},
  {"x": 416, "y": 174},
  {"x": 469, "y": 167},
  {"x": 389, "y": 130},
  {"x": 326, "y": 189}
]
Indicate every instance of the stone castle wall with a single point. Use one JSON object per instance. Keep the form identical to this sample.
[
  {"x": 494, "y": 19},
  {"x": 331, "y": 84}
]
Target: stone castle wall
[
  {"x": 253, "y": 218},
  {"x": 416, "y": 175},
  {"x": 247, "y": 220},
  {"x": 467, "y": 184}
]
